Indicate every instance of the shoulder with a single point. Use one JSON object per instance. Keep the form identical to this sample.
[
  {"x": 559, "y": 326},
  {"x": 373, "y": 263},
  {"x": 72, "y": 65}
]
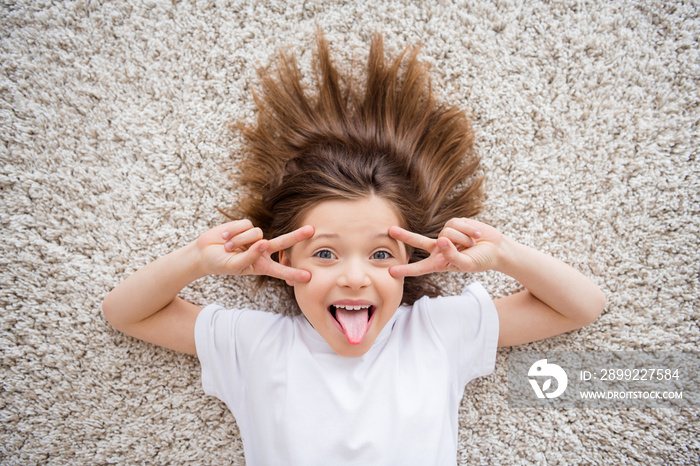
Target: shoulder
[
  {"x": 219, "y": 326},
  {"x": 469, "y": 316},
  {"x": 474, "y": 301},
  {"x": 217, "y": 316}
]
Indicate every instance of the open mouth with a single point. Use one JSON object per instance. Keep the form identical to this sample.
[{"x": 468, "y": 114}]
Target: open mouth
[{"x": 354, "y": 320}]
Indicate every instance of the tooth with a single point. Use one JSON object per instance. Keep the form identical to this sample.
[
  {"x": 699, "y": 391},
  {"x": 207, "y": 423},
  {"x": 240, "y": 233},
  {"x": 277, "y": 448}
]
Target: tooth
[{"x": 350, "y": 308}]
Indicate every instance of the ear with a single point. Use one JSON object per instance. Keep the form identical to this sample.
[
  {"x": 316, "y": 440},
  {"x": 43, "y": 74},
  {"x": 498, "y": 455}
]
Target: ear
[{"x": 286, "y": 261}]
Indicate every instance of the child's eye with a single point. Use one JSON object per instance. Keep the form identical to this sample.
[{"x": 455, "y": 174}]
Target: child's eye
[
  {"x": 324, "y": 254},
  {"x": 382, "y": 255}
]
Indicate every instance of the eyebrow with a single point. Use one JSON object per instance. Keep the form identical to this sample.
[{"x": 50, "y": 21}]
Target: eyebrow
[
  {"x": 336, "y": 236},
  {"x": 325, "y": 236}
]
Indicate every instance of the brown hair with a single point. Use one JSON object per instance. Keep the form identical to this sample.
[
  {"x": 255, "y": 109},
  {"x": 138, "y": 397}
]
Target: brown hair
[{"x": 390, "y": 139}]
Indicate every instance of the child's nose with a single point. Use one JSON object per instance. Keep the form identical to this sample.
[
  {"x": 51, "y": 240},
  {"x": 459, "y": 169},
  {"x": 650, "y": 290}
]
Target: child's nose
[{"x": 354, "y": 275}]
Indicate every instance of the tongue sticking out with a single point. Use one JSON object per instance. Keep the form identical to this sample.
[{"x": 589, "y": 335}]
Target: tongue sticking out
[{"x": 354, "y": 323}]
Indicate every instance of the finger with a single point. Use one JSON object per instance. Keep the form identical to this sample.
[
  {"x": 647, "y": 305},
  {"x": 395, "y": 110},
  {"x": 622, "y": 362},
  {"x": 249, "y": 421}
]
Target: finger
[
  {"x": 465, "y": 225},
  {"x": 277, "y": 270},
  {"x": 453, "y": 256},
  {"x": 243, "y": 263},
  {"x": 431, "y": 264},
  {"x": 457, "y": 237},
  {"x": 247, "y": 237},
  {"x": 412, "y": 239},
  {"x": 236, "y": 227},
  {"x": 290, "y": 239}
]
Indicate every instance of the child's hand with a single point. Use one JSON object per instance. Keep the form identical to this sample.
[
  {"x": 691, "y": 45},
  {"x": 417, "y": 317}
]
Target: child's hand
[
  {"x": 238, "y": 248},
  {"x": 464, "y": 245}
]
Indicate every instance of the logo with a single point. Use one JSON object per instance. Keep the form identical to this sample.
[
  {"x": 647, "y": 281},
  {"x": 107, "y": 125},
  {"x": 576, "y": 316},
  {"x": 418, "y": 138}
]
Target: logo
[{"x": 552, "y": 371}]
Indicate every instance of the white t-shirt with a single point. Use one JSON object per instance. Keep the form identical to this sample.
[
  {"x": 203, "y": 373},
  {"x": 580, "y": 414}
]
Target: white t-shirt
[{"x": 297, "y": 402}]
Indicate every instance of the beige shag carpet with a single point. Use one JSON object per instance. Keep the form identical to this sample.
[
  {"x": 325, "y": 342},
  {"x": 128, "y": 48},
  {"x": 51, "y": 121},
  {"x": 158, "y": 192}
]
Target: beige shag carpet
[{"x": 115, "y": 150}]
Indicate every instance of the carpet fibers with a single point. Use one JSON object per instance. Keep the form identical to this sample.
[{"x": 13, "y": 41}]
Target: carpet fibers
[{"x": 115, "y": 150}]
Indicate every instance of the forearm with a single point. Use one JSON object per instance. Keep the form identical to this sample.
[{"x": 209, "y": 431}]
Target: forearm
[
  {"x": 556, "y": 284},
  {"x": 151, "y": 288}
]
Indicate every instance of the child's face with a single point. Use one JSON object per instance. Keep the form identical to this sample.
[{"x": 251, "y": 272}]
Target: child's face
[{"x": 349, "y": 258}]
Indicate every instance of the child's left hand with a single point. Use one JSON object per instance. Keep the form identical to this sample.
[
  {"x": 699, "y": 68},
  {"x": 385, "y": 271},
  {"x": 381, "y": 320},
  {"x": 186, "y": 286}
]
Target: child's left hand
[
  {"x": 464, "y": 245},
  {"x": 556, "y": 299}
]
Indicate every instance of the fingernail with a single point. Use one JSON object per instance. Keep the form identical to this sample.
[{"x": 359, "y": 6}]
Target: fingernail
[
  {"x": 477, "y": 234},
  {"x": 225, "y": 235},
  {"x": 228, "y": 246}
]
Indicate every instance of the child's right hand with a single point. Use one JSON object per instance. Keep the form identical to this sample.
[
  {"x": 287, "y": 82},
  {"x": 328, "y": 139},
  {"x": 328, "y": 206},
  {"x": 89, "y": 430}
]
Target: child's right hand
[
  {"x": 238, "y": 248},
  {"x": 146, "y": 305}
]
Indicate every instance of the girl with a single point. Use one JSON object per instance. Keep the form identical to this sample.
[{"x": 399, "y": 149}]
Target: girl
[{"x": 354, "y": 198}]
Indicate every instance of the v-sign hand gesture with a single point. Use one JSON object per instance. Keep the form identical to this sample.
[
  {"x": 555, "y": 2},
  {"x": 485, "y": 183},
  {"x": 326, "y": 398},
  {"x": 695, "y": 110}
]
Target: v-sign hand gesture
[
  {"x": 238, "y": 248},
  {"x": 146, "y": 305},
  {"x": 556, "y": 298},
  {"x": 464, "y": 245}
]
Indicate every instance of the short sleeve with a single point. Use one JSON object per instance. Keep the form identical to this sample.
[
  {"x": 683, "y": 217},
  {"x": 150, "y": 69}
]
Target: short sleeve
[
  {"x": 232, "y": 353},
  {"x": 468, "y": 327},
  {"x": 214, "y": 333}
]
